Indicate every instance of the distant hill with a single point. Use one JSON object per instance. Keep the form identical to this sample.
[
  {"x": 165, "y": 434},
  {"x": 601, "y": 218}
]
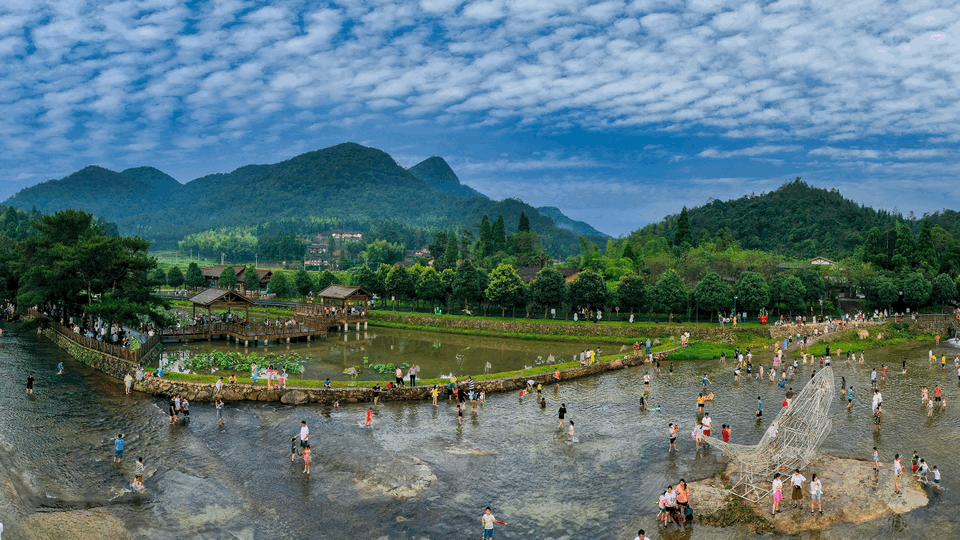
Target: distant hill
[
  {"x": 436, "y": 173},
  {"x": 797, "y": 219},
  {"x": 346, "y": 181},
  {"x": 581, "y": 228}
]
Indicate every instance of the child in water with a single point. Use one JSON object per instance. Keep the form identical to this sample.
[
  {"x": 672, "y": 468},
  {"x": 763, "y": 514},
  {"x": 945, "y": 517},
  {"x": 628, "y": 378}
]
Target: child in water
[
  {"x": 369, "y": 419},
  {"x": 307, "y": 460},
  {"x": 572, "y": 433}
]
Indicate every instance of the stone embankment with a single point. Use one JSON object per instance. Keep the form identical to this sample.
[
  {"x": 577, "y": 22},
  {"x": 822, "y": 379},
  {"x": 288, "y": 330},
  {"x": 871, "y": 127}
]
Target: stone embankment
[{"x": 118, "y": 368}]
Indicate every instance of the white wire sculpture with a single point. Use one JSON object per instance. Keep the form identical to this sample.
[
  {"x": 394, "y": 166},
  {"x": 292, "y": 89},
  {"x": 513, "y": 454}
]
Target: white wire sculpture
[{"x": 791, "y": 441}]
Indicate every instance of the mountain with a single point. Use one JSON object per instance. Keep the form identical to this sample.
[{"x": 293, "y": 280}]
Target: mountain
[
  {"x": 581, "y": 228},
  {"x": 796, "y": 219},
  {"x": 347, "y": 181},
  {"x": 437, "y": 174}
]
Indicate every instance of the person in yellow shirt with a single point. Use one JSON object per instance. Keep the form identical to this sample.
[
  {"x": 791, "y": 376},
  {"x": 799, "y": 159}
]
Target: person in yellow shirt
[
  {"x": 701, "y": 402},
  {"x": 435, "y": 394}
]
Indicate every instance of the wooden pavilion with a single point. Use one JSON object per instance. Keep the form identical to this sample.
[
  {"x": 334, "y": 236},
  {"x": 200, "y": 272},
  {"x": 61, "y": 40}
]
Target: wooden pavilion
[
  {"x": 221, "y": 298},
  {"x": 343, "y": 296}
]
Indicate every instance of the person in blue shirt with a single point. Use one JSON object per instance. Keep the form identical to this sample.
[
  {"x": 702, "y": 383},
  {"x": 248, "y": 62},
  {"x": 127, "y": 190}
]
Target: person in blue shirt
[
  {"x": 759, "y": 408},
  {"x": 850, "y": 398},
  {"x": 119, "y": 446},
  {"x": 60, "y": 368}
]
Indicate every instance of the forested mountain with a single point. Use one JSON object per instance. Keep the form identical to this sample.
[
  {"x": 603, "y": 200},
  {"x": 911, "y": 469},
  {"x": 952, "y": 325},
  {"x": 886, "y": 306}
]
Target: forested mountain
[
  {"x": 564, "y": 222},
  {"x": 346, "y": 182},
  {"x": 797, "y": 220},
  {"x": 437, "y": 174}
]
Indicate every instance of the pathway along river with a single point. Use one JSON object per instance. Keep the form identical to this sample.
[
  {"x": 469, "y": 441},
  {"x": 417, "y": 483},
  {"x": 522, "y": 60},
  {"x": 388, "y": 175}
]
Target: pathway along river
[{"x": 57, "y": 477}]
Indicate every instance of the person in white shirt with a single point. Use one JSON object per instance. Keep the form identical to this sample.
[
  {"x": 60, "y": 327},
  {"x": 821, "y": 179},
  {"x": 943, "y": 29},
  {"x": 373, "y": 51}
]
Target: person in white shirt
[
  {"x": 797, "y": 480},
  {"x": 897, "y": 473},
  {"x": 304, "y": 434},
  {"x": 488, "y": 521},
  {"x": 816, "y": 494},
  {"x": 777, "y": 488},
  {"x": 641, "y": 534}
]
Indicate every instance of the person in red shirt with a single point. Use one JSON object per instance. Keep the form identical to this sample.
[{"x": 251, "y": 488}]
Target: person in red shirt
[{"x": 725, "y": 432}]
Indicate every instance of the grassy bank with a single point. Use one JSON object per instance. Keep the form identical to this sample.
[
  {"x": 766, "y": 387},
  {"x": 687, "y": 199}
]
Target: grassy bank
[{"x": 492, "y": 333}]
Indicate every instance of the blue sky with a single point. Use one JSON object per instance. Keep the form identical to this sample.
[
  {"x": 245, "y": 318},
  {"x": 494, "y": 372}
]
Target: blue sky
[{"x": 618, "y": 112}]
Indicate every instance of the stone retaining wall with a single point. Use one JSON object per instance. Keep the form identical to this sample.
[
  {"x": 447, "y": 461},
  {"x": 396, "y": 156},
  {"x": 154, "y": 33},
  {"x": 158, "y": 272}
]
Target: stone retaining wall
[
  {"x": 698, "y": 332},
  {"x": 298, "y": 396},
  {"x": 111, "y": 365}
]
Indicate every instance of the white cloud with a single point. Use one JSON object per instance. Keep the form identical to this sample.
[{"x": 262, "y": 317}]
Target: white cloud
[{"x": 750, "y": 151}]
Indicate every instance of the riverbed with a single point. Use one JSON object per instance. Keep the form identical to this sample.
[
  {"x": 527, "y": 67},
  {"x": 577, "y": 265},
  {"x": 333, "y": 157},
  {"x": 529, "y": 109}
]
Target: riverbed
[{"x": 57, "y": 477}]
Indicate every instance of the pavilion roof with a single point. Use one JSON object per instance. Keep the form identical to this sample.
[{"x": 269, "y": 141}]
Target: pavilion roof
[
  {"x": 209, "y": 297},
  {"x": 342, "y": 292}
]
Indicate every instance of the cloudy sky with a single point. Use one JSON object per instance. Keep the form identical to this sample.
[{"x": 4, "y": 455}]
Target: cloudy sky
[{"x": 618, "y": 112}]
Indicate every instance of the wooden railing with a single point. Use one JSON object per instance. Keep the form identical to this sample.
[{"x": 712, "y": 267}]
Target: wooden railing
[
  {"x": 116, "y": 351},
  {"x": 243, "y": 331}
]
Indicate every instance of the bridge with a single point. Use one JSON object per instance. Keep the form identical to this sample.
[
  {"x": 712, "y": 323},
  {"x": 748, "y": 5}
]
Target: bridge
[{"x": 246, "y": 333}]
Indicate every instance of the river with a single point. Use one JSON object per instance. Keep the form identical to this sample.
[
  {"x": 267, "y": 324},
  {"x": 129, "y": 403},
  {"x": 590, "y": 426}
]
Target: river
[{"x": 57, "y": 477}]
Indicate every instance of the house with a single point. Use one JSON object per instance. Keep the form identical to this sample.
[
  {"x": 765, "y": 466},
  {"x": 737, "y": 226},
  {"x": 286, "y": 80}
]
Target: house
[
  {"x": 212, "y": 275},
  {"x": 822, "y": 261}
]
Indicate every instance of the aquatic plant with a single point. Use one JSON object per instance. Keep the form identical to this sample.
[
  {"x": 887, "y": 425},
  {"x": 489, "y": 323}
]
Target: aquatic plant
[{"x": 237, "y": 361}]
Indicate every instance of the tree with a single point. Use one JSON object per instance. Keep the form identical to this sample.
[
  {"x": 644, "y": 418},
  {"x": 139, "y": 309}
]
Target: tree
[
  {"x": 430, "y": 287},
  {"x": 753, "y": 292},
  {"x": 450, "y": 254},
  {"x": 548, "y": 289},
  {"x": 383, "y": 252},
  {"x": 363, "y": 276},
  {"x": 400, "y": 283},
  {"x": 469, "y": 283},
  {"x": 505, "y": 288},
  {"x": 280, "y": 285},
  {"x": 683, "y": 228},
  {"x": 916, "y": 290},
  {"x": 194, "y": 277},
  {"x": 524, "y": 225},
  {"x": 669, "y": 294},
  {"x": 438, "y": 245},
  {"x": 175, "y": 277},
  {"x": 632, "y": 292},
  {"x": 157, "y": 277},
  {"x": 788, "y": 293},
  {"x": 228, "y": 278},
  {"x": 485, "y": 242},
  {"x": 943, "y": 290},
  {"x": 499, "y": 235},
  {"x": 302, "y": 282},
  {"x": 589, "y": 290},
  {"x": 526, "y": 247},
  {"x": 251, "y": 280},
  {"x": 814, "y": 286},
  {"x": 712, "y": 294},
  {"x": 882, "y": 292},
  {"x": 324, "y": 279}
]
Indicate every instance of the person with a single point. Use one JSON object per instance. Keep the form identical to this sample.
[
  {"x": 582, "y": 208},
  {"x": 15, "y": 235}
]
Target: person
[
  {"x": 376, "y": 393},
  {"x": 369, "y": 419},
  {"x": 460, "y": 408},
  {"x": 399, "y": 376},
  {"x": 304, "y": 434},
  {"x": 816, "y": 494},
  {"x": 185, "y": 408},
  {"x": 556, "y": 379},
  {"x": 413, "y": 375},
  {"x": 850, "y": 396},
  {"x": 725, "y": 432},
  {"x": 873, "y": 377},
  {"x": 777, "y": 489},
  {"x": 937, "y": 394},
  {"x": 543, "y": 403},
  {"x": 119, "y": 446},
  {"x": 759, "y": 408},
  {"x": 701, "y": 403},
  {"x": 127, "y": 383},
  {"x": 674, "y": 430},
  {"x": 30, "y": 381},
  {"x": 707, "y": 424},
  {"x": 915, "y": 463},
  {"x": 327, "y": 383},
  {"x": 219, "y": 385},
  {"x": 797, "y": 480},
  {"x": 641, "y": 535},
  {"x": 435, "y": 394},
  {"x": 172, "y": 409},
  {"x": 936, "y": 476},
  {"x": 561, "y": 414},
  {"x": 876, "y": 463},
  {"x": 138, "y": 474},
  {"x": 670, "y": 505},
  {"x": 293, "y": 448},
  {"x": 488, "y": 520},
  {"x": 572, "y": 433},
  {"x": 219, "y": 407},
  {"x": 307, "y": 459},
  {"x": 705, "y": 380},
  {"x": 59, "y": 368},
  {"x": 683, "y": 499},
  {"x": 897, "y": 473}
]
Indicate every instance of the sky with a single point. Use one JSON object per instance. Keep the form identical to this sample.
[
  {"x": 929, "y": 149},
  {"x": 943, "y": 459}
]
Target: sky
[{"x": 618, "y": 112}]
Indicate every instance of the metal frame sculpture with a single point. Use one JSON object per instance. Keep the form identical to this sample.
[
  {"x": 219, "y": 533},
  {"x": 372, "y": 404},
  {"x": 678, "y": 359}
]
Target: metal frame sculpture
[{"x": 789, "y": 443}]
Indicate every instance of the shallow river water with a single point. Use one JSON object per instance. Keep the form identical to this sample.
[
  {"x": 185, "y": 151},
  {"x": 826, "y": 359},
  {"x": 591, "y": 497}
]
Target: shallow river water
[{"x": 204, "y": 482}]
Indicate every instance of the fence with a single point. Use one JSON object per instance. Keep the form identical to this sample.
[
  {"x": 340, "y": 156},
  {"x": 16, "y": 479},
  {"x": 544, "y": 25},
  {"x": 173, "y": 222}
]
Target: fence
[{"x": 110, "y": 349}]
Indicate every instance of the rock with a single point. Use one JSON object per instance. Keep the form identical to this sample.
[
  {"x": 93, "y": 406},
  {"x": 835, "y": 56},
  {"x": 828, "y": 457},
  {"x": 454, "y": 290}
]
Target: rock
[
  {"x": 466, "y": 451},
  {"x": 400, "y": 483},
  {"x": 294, "y": 397},
  {"x": 849, "y": 496}
]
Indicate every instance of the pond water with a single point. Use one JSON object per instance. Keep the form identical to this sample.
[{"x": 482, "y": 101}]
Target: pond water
[
  {"x": 56, "y": 449},
  {"x": 436, "y": 353}
]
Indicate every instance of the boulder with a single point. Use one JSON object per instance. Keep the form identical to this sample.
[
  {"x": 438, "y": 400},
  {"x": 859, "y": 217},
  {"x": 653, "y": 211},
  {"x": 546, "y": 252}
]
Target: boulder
[{"x": 294, "y": 397}]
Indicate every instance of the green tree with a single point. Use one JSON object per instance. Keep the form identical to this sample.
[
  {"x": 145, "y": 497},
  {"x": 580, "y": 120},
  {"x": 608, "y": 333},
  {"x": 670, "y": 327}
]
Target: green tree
[
  {"x": 753, "y": 292},
  {"x": 451, "y": 254},
  {"x": 302, "y": 282},
  {"x": 589, "y": 290},
  {"x": 194, "y": 277},
  {"x": 280, "y": 285},
  {"x": 228, "y": 278},
  {"x": 632, "y": 292},
  {"x": 251, "y": 280},
  {"x": 469, "y": 283},
  {"x": 943, "y": 290},
  {"x": 430, "y": 287},
  {"x": 175, "y": 277},
  {"x": 548, "y": 289},
  {"x": 713, "y": 294},
  {"x": 383, "y": 252},
  {"x": 499, "y": 234},
  {"x": 400, "y": 283},
  {"x": 363, "y": 276},
  {"x": 882, "y": 292},
  {"x": 324, "y": 279},
  {"x": 683, "y": 228},
  {"x": 157, "y": 277},
  {"x": 524, "y": 225},
  {"x": 814, "y": 286},
  {"x": 505, "y": 288},
  {"x": 485, "y": 243},
  {"x": 669, "y": 294},
  {"x": 916, "y": 290},
  {"x": 789, "y": 293}
]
